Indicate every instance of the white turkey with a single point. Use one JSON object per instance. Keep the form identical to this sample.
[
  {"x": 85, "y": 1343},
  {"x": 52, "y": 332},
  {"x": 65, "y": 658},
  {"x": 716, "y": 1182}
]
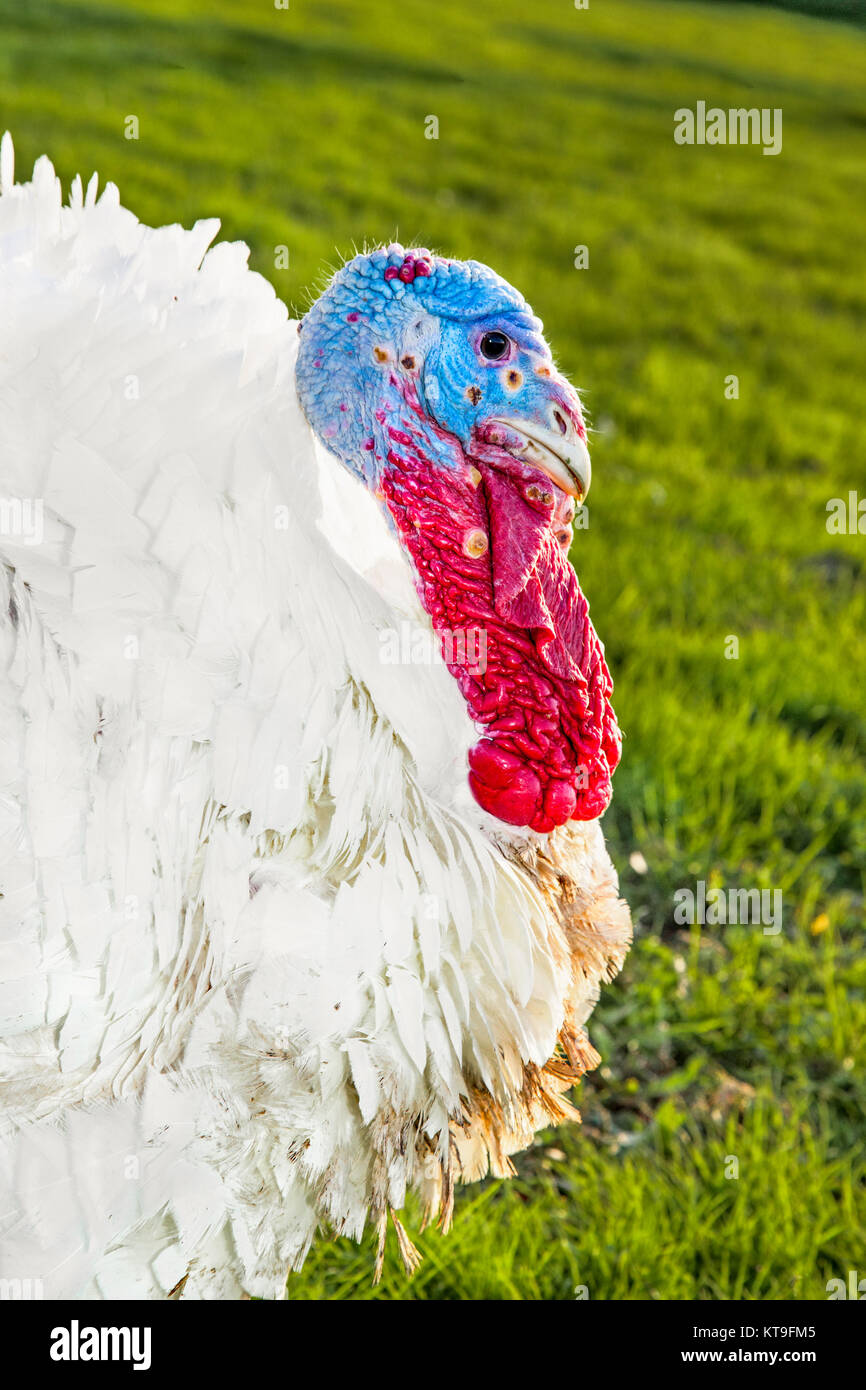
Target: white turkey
[{"x": 304, "y": 739}]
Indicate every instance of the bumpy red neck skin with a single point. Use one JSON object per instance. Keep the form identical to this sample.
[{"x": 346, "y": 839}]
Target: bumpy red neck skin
[{"x": 481, "y": 531}]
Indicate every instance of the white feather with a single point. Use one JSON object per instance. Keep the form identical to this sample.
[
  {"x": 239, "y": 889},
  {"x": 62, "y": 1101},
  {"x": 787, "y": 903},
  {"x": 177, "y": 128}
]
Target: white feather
[{"x": 245, "y": 887}]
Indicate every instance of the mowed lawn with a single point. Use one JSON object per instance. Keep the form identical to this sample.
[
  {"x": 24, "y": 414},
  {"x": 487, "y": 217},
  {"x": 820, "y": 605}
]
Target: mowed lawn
[{"x": 722, "y": 1150}]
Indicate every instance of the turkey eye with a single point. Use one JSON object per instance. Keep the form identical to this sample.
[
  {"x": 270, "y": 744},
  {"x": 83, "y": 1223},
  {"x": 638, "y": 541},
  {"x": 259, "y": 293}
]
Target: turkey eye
[{"x": 494, "y": 346}]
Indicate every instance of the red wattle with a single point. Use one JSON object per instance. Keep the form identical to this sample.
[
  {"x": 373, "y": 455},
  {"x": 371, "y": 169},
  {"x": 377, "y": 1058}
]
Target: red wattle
[{"x": 482, "y": 540}]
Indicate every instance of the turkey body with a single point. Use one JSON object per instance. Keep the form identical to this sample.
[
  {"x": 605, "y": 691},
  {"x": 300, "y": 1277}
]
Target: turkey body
[{"x": 265, "y": 965}]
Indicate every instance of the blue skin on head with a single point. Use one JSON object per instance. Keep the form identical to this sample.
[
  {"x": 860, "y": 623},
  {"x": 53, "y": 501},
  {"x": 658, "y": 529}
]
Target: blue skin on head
[{"x": 373, "y": 336}]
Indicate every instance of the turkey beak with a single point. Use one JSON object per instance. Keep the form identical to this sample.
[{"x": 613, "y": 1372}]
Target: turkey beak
[{"x": 561, "y": 453}]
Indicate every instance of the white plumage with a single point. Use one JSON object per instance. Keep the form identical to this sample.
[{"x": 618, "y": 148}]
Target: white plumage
[{"x": 257, "y": 942}]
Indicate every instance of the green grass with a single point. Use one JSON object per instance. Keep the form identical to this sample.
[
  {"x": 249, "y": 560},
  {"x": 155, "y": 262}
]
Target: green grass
[{"x": 306, "y": 128}]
